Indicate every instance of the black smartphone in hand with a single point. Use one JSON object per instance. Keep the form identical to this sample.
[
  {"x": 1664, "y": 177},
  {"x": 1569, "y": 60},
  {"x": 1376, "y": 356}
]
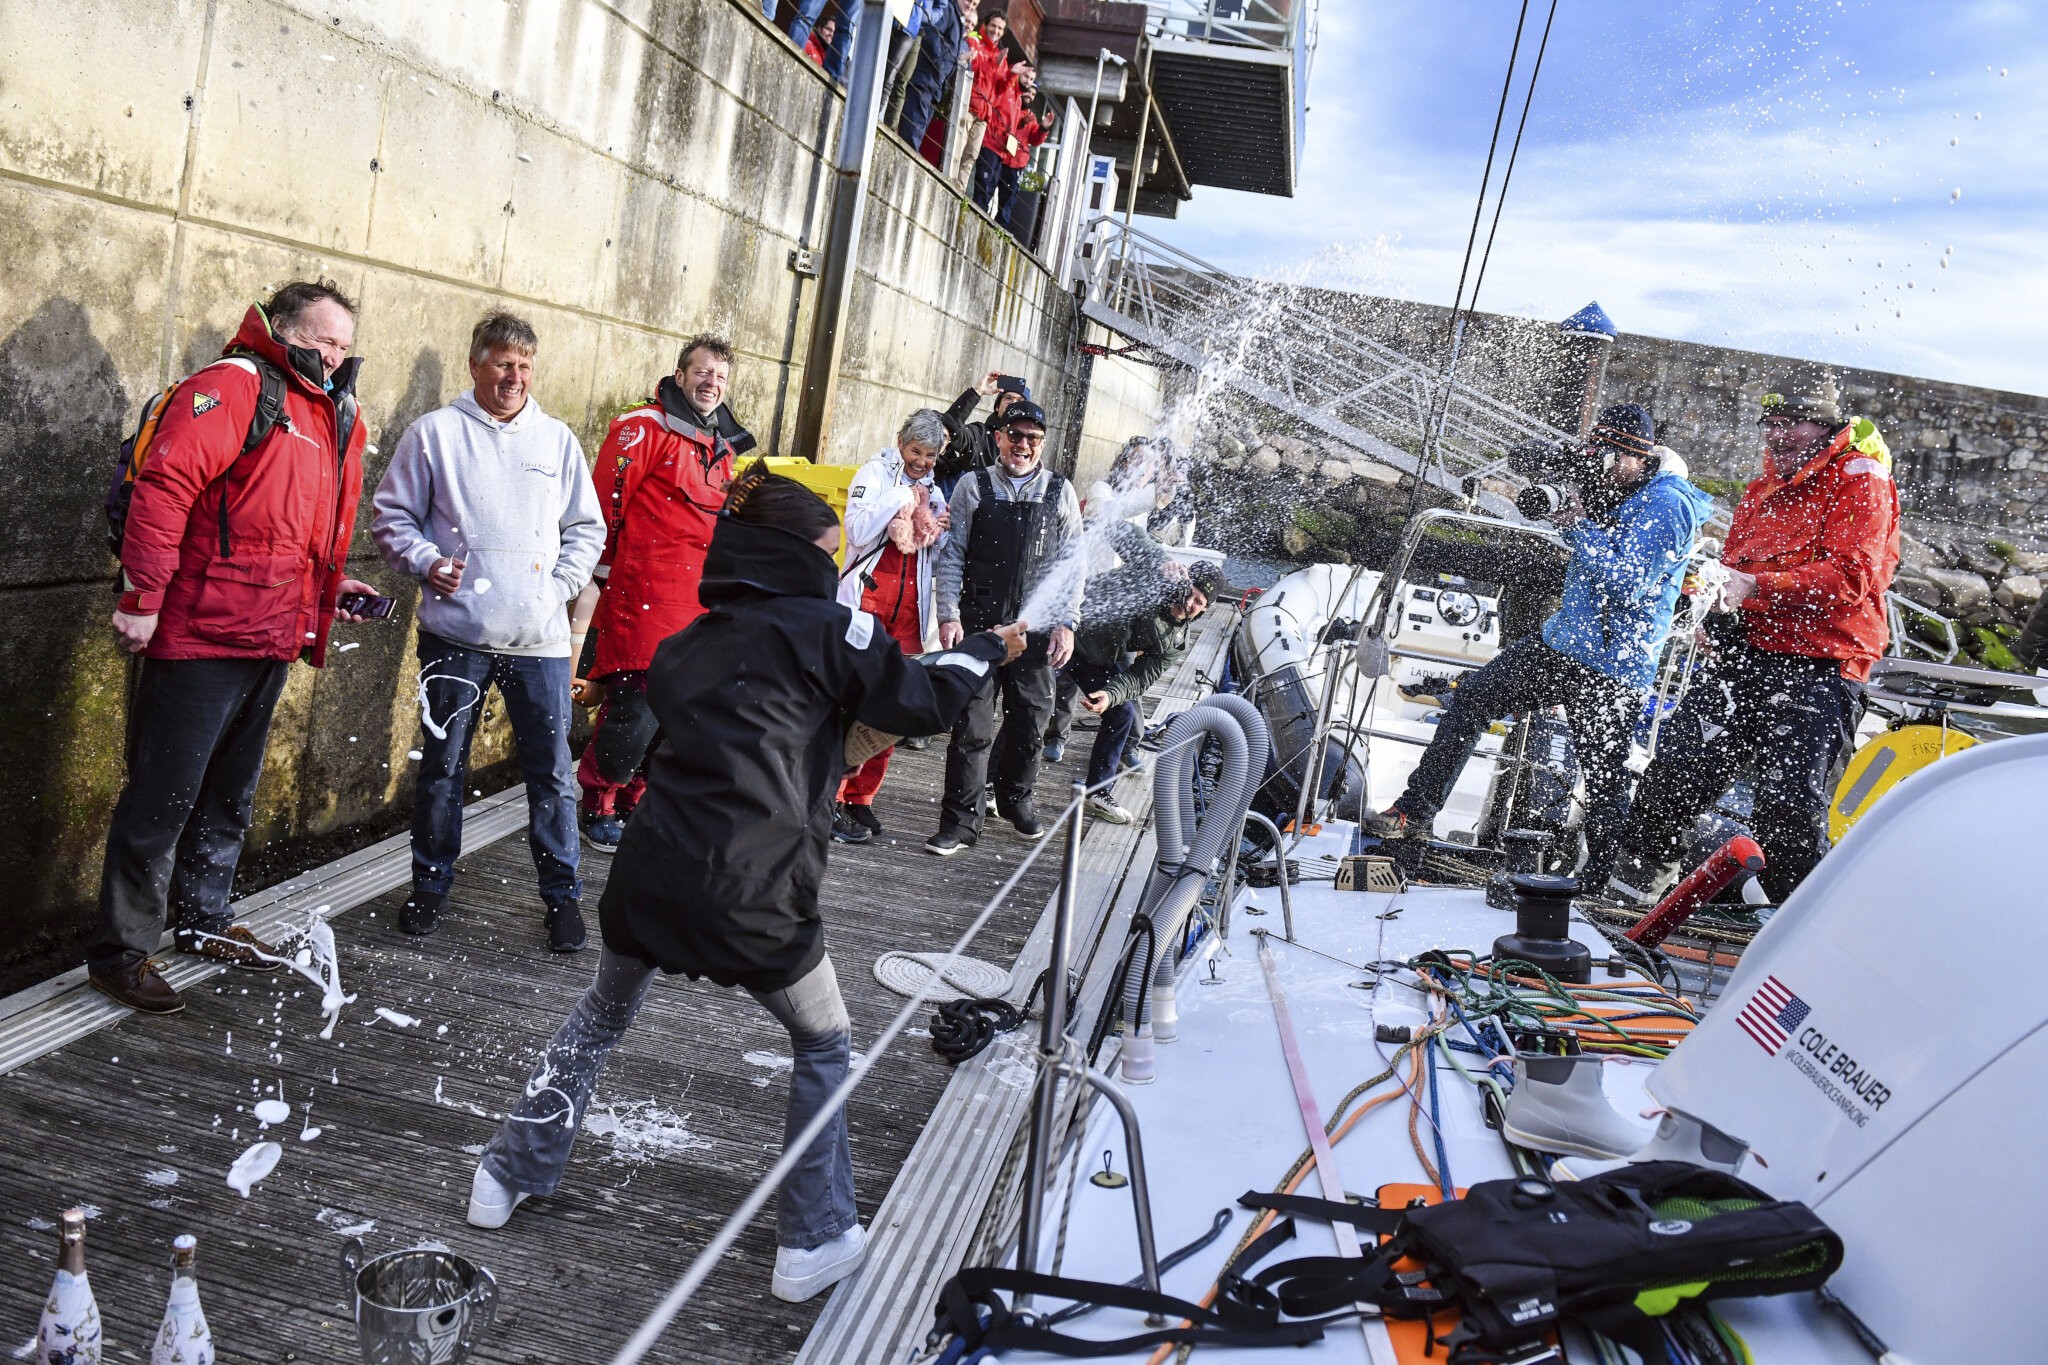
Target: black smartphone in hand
[{"x": 366, "y": 604}]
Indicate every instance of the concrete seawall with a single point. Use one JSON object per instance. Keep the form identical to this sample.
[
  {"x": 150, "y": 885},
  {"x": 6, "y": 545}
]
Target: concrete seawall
[{"x": 624, "y": 174}]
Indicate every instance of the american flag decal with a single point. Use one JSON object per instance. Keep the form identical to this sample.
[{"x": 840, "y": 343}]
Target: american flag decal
[{"x": 1771, "y": 1015}]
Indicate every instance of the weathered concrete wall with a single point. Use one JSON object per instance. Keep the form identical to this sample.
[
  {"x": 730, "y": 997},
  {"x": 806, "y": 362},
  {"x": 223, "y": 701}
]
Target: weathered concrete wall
[{"x": 622, "y": 173}]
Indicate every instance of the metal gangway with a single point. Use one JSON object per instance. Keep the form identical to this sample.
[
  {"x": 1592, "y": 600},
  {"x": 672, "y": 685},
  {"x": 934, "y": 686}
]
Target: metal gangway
[{"x": 1281, "y": 346}]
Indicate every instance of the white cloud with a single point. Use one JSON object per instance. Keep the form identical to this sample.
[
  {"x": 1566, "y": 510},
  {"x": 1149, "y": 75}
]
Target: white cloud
[{"x": 1758, "y": 220}]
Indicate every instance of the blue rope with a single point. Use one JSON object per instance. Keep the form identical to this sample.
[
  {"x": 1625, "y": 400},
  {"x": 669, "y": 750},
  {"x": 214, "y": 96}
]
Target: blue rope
[{"x": 1443, "y": 1161}]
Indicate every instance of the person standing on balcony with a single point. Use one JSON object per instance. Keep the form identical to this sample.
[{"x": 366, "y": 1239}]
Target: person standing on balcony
[
  {"x": 1033, "y": 124},
  {"x": 999, "y": 140},
  {"x": 989, "y": 65},
  {"x": 488, "y": 502},
  {"x": 820, "y": 41},
  {"x": 939, "y": 44}
]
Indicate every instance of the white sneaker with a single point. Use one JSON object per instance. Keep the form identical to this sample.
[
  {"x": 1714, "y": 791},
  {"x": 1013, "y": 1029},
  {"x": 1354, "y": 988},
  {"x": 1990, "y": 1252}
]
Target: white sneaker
[
  {"x": 803, "y": 1274},
  {"x": 1103, "y": 808},
  {"x": 491, "y": 1204}
]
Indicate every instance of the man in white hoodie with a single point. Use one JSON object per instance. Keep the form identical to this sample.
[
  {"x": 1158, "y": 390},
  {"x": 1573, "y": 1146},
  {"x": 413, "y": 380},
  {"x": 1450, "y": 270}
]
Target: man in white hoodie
[{"x": 489, "y": 503}]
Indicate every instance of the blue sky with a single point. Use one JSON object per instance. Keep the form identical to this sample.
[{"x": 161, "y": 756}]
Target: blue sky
[{"x": 1771, "y": 176}]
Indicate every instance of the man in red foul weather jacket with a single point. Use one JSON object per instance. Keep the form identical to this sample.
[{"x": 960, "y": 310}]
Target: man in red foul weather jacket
[
  {"x": 1810, "y": 555},
  {"x": 233, "y": 565},
  {"x": 662, "y": 476},
  {"x": 1027, "y": 132},
  {"x": 999, "y": 139}
]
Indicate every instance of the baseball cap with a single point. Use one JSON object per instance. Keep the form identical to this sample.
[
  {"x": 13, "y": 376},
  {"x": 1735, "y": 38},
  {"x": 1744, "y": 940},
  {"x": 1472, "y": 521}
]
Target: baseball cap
[{"x": 1023, "y": 410}]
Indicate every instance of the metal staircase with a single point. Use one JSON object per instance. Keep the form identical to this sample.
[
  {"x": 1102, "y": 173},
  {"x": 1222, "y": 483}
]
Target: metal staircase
[{"x": 1277, "y": 345}]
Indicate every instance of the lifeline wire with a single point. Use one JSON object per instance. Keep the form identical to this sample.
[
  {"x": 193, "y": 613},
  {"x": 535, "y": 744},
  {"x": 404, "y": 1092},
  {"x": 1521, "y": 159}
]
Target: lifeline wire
[{"x": 699, "y": 1270}]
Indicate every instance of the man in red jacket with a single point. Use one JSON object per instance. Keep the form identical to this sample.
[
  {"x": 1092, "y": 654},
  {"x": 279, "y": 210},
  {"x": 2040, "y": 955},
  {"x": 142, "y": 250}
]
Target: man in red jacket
[
  {"x": 999, "y": 140},
  {"x": 1810, "y": 555},
  {"x": 233, "y": 565},
  {"x": 662, "y": 476},
  {"x": 1026, "y": 134}
]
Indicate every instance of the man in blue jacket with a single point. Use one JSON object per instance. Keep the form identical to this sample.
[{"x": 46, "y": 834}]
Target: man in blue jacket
[
  {"x": 942, "y": 30},
  {"x": 1631, "y": 535}
]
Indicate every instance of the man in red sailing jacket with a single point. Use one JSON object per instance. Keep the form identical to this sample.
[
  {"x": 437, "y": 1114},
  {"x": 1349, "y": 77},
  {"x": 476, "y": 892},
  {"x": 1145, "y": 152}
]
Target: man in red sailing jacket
[
  {"x": 1810, "y": 555},
  {"x": 662, "y": 476},
  {"x": 1026, "y": 134},
  {"x": 233, "y": 564},
  {"x": 999, "y": 140}
]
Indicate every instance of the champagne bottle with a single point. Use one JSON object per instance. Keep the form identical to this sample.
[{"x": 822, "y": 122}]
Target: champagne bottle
[
  {"x": 69, "y": 1331},
  {"x": 183, "y": 1338}
]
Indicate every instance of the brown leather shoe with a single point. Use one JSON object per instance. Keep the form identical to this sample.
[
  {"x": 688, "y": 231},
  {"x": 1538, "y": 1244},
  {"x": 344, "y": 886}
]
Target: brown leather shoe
[
  {"x": 140, "y": 986},
  {"x": 234, "y": 945}
]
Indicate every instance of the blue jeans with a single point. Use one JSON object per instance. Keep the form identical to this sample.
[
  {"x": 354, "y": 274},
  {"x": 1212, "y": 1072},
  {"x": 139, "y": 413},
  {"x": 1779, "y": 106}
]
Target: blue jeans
[
  {"x": 1119, "y": 722},
  {"x": 531, "y": 1148},
  {"x": 453, "y": 680},
  {"x": 988, "y": 174}
]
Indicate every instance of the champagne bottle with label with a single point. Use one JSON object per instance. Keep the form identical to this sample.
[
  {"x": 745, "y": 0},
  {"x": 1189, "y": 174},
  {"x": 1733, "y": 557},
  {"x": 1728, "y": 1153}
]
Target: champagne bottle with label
[
  {"x": 69, "y": 1331},
  {"x": 183, "y": 1338}
]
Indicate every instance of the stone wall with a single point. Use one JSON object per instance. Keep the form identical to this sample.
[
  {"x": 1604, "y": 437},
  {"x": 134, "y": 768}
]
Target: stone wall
[
  {"x": 1970, "y": 461},
  {"x": 1126, "y": 398},
  {"x": 624, "y": 173}
]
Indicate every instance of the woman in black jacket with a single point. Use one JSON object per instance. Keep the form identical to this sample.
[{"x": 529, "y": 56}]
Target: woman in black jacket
[{"x": 718, "y": 873}]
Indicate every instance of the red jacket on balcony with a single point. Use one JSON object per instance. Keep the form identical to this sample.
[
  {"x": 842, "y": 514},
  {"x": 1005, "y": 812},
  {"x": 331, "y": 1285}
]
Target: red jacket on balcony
[
  {"x": 1823, "y": 543},
  {"x": 1027, "y": 134},
  {"x": 1005, "y": 108},
  {"x": 991, "y": 65}
]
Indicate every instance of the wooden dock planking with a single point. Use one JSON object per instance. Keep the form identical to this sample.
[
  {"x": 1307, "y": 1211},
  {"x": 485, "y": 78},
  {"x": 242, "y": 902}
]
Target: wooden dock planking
[{"x": 577, "y": 1270}]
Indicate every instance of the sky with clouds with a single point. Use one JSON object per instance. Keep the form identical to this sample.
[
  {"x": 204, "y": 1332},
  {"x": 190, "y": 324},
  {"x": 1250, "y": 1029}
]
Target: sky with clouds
[{"x": 1851, "y": 180}]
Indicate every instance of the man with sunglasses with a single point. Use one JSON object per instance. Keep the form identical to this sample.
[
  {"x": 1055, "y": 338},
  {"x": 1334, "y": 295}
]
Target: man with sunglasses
[
  {"x": 1810, "y": 554},
  {"x": 1631, "y": 526},
  {"x": 1015, "y": 528}
]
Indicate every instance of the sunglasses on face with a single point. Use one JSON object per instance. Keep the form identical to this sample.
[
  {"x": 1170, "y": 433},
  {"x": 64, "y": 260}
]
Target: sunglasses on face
[{"x": 1027, "y": 438}]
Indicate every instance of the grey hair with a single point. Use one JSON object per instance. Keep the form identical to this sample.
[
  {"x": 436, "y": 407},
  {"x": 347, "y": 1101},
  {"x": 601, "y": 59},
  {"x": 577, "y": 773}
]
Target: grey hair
[
  {"x": 501, "y": 329},
  {"x": 925, "y": 427}
]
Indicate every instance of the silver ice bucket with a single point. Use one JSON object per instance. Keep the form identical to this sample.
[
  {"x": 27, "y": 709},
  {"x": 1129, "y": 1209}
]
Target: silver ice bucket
[{"x": 418, "y": 1307}]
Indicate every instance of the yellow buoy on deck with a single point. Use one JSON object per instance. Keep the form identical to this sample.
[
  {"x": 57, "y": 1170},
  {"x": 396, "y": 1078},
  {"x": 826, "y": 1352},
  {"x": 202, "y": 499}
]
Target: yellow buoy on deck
[{"x": 1885, "y": 762}]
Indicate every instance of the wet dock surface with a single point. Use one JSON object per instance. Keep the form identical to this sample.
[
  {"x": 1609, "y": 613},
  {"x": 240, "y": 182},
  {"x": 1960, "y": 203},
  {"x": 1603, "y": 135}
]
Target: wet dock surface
[{"x": 141, "y": 1120}]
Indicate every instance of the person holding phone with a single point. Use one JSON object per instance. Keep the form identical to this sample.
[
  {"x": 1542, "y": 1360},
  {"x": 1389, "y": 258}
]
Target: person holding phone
[
  {"x": 974, "y": 443},
  {"x": 719, "y": 872}
]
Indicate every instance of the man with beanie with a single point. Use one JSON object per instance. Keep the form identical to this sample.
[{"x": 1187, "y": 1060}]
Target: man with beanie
[
  {"x": 489, "y": 504},
  {"x": 973, "y": 445},
  {"x": 662, "y": 476},
  {"x": 1133, "y": 626},
  {"x": 1810, "y": 554},
  {"x": 1630, "y": 527},
  {"x": 1015, "y": 529}
]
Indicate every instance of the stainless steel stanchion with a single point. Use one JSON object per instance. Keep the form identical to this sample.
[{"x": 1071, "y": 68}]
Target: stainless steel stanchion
[{"x": 1051, "y": 1046}]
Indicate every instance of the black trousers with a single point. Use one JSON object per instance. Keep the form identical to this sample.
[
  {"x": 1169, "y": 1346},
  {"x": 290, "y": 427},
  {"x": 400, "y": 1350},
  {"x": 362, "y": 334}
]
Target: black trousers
[
  {"x": 980, "y": 754},
  {"x": 1525, "y": 676},
  {"x": 196, "y": 734},
  {"x": 1788, "y": 719}
]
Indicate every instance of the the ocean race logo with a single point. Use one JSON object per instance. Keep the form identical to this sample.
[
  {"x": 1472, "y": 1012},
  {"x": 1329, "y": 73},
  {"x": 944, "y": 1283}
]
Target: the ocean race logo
[{"x": 1773, "y": 1017}]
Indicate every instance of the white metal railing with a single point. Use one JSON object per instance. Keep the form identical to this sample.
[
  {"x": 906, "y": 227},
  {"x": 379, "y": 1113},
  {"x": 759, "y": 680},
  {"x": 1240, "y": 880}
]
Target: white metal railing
[
  {"x": 1276, "y": 25},
  {"x": 1280, "y": 336}
]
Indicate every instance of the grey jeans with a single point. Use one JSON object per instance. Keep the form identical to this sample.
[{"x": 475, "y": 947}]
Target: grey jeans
[{"x": 530, "y": 1151}]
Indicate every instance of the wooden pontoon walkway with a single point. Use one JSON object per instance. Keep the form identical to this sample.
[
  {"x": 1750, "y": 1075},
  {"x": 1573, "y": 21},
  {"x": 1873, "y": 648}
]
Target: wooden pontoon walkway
[{"x": 140, "y": 1118}]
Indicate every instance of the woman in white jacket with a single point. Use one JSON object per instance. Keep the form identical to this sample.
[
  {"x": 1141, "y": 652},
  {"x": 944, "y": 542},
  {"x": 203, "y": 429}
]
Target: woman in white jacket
[{"x": 895, "y": 521}]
